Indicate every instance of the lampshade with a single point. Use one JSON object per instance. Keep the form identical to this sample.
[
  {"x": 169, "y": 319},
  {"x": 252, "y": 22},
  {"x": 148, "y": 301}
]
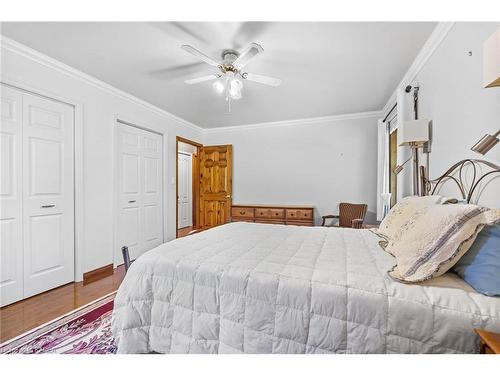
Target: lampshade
[
  {"x": 414, "y": 133},
  {"x": 491, "y": 60}
]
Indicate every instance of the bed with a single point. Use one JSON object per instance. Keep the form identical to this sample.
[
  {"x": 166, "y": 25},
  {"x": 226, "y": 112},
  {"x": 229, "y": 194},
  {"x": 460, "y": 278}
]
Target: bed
[{"x": 261, "y": 288}]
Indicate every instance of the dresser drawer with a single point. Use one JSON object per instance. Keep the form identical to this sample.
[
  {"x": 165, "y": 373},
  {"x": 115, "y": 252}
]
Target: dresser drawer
[
  {"x": 298, "y": 214},
  {"x": 269, "y": 213},
  {"x": 243, "y": 212}
]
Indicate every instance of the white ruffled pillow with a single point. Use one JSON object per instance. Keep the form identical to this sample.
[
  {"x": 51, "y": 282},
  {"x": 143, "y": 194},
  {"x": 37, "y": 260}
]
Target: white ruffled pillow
[
  {"x": 402, "y": 212},
  {"x": 435, "y": 238}
]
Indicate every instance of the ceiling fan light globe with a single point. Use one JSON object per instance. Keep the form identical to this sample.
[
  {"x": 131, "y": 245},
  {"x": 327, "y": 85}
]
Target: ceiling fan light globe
[
  {"x": 219, "y": 86},
  {"x": 235, "y": 88}
]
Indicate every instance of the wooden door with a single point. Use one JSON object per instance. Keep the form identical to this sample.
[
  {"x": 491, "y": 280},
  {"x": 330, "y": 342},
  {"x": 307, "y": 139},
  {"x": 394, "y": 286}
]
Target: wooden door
[
  {"x": 48, "y": 189},
  {"x": 139, "y": 175},
  {"x": 185, "y": 189},
  {"x": 215, "y": 185}
]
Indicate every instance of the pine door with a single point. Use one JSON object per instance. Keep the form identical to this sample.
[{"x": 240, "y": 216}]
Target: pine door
[{"x": 215, "y": 185}]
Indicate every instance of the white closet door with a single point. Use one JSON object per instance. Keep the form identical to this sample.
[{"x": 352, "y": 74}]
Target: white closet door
[
  {"x": 48, "y": 189},
  {"x": 185, "y": 200},
  {"x": 11, "y": 235},
  {"x": 140, "y": 213},
  {"x": 151, "y": 186}
]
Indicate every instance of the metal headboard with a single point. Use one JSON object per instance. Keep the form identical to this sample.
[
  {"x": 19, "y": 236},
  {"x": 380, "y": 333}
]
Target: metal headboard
[{"x": 456, "y": 174}]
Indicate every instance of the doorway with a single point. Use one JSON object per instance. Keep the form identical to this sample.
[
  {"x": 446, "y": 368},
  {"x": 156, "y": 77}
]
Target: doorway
[{"x": 187, "y": 186}]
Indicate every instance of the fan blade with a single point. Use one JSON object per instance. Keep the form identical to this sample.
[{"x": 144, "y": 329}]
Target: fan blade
[
  {"x": 199, "y": 55},
  {"x": 178, "y": 71},
  {"x": 201, "y": 79},
  {"x": 249, "y": 53},
  {"x": 270, "y": 81}
]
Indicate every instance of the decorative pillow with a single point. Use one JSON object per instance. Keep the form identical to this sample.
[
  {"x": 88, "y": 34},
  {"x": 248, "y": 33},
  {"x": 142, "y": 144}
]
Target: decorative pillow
[
  {"x": 435, "y": 238},
  {"x": 402, "y": 212},
  {"x": 480, "y": 266}
]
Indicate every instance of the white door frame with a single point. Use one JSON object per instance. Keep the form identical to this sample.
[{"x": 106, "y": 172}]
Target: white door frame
[
  {"x": 79, "y": 240},
  {"x": 119, "y": 119}
]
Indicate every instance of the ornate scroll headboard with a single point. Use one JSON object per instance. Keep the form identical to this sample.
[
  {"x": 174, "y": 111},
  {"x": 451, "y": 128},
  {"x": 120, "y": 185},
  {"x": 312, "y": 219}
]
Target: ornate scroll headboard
[{"x": 456, "y": 173}]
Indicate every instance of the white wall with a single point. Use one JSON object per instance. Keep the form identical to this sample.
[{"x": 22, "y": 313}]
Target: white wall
[
  {"x": 317, "y": 163},
  {"x": 453, "y": 97},
  {"x": 99, "y": 108}
]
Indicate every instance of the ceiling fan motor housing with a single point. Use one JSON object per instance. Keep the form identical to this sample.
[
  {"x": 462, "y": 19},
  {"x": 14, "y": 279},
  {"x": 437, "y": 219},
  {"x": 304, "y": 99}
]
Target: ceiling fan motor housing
[{"x": 228, "y": 57}]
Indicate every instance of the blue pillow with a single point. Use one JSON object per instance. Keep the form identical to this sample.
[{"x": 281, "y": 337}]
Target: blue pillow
[{"x": 480, "y": 266}]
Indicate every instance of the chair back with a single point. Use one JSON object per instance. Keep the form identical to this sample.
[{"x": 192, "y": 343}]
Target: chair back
[
  {"x": 126, "y": 258},
  {"x": 349, "y": 212}
]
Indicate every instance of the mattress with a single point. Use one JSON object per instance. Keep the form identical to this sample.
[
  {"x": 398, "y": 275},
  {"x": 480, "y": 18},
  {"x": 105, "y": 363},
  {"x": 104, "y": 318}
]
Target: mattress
[{"x": 262, "y": 288}]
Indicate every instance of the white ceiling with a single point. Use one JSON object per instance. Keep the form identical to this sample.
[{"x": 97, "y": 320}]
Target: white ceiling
[{"x": 327, "y": 68}]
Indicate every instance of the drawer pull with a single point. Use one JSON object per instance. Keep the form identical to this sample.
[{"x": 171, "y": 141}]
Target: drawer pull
[
  {"x": 48, "y": 206},
  {"x": 131, "y": 201},
  {"x": 242, "y": 212}
]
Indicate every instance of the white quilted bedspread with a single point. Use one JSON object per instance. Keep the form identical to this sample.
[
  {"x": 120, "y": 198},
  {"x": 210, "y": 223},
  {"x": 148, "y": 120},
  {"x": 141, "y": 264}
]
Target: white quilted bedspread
[{"x": 261, "y": 288}]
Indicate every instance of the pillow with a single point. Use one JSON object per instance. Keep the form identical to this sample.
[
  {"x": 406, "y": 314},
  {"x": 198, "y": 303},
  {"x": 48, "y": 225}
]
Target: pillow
[
  {"x": 435, "y": 238},
  {"x": 480, "y": 266},
  {"x": 401, "y": 213}
]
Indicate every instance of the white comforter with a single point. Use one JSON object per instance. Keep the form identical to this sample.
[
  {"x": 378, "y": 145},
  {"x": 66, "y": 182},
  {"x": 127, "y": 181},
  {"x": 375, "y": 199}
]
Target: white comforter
[{"x": 261, "y": 288}]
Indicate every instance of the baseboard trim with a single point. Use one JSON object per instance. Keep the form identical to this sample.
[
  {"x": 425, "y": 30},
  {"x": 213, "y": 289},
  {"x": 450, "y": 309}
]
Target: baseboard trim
[{"x": 97, "y": 274}]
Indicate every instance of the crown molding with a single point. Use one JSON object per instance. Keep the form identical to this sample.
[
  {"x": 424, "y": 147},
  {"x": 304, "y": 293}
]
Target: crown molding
[
  {"x": 303, "y": 121},
  {"x": 38, "y": 57},
  {"x": 430, "y": 46}
]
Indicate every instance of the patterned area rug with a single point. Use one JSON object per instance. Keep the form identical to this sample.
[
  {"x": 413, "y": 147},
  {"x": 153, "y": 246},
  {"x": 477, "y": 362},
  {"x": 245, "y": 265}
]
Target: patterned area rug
[{"x": 86, "y": 330}]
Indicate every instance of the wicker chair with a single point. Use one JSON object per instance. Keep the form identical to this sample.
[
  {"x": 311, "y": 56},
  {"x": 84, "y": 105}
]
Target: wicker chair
[{"x": 350, "y": 215}]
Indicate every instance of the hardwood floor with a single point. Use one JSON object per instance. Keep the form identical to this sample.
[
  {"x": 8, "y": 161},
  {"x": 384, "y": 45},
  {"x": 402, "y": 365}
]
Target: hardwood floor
[
  {"x": 184, "y": 231},
  {"x": 25, "y": 315}
]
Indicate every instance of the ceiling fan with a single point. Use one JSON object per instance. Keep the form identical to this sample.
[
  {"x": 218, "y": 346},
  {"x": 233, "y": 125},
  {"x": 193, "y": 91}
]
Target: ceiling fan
[{"x": 230, "y": 76}]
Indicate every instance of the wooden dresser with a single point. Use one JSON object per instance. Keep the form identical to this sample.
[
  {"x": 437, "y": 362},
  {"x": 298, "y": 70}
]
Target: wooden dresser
[{"x": 273, "y": 214}]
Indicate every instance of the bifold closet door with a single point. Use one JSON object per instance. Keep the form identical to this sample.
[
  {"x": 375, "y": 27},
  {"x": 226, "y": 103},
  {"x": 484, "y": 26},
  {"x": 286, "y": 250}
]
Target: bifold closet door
[
  {"x": 140, "y": 213},
  {"x": 37, "y": 195},
  {"x": 11, "y": 214},
  {"x": 48, "y": 190}
]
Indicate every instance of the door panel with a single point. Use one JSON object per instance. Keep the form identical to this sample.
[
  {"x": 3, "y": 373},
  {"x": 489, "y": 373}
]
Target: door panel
[
  {"x": 152, "y": 221},
  {"x": 46, "y": 243},
  {"x": 139, "y": 176},
  {"x": 215, "y": 185},
  {"x": 130, "y": 163},
  {"x": 45, "y": 167},
  {"x": 49, "y": 198}
]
